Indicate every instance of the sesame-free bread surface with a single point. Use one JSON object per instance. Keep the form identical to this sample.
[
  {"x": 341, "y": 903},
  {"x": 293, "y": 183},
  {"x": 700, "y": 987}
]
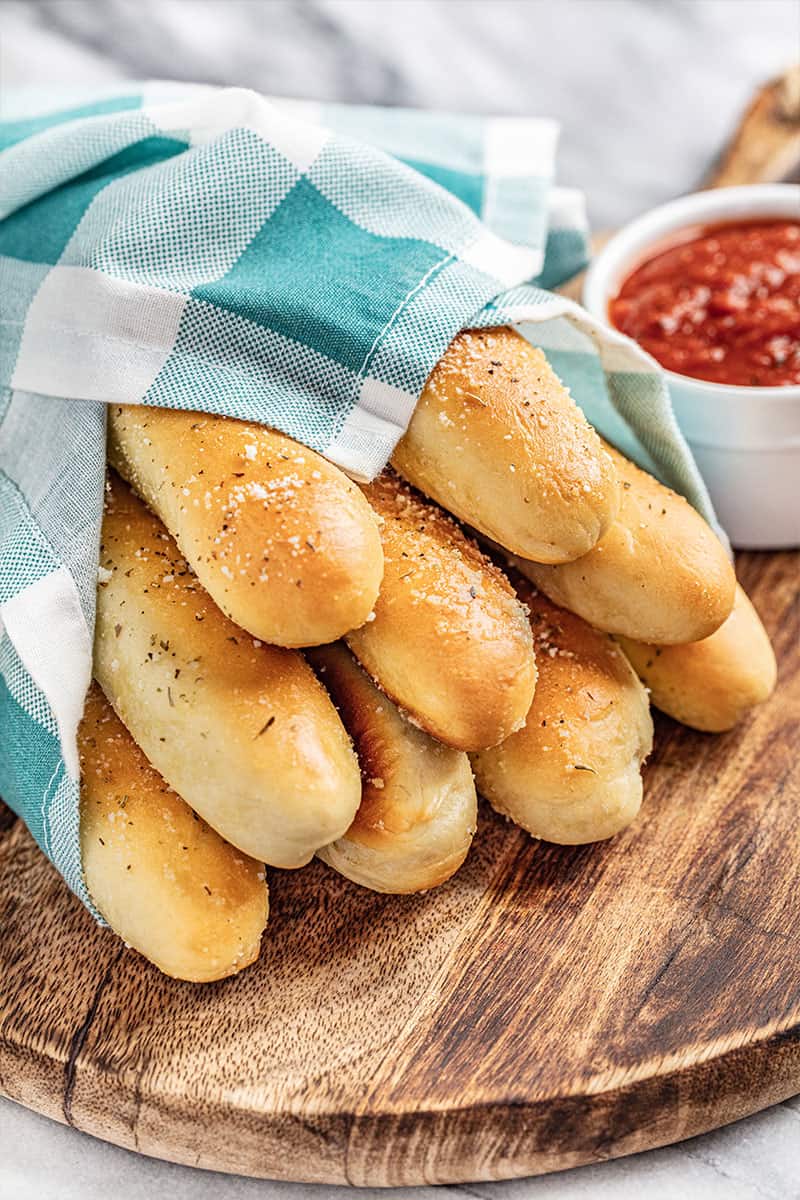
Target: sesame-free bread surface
[
  {"x": 572, "y": 774},
  {"x": 164, "y": 880},
  {"x": 449, "y": 642},
  {"x": 497, "y": 440},
  {"x": 418, "y": 807},
  {"x": 712, "y": 684},
  {"x": 244, "y": 732},
  {"x": 660, "y": 574},
  {"x": 280, "y": 538}
]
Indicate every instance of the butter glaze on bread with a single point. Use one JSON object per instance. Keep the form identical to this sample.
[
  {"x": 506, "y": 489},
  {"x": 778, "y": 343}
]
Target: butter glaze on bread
[
  {"x": 710, "y": 685},
  {"x": 449, "y": 643},
  {"x": 418, "y": 806},
  {"x": 244, "y": 732},
  {"x": 281, "y": 540},
  {"x": 572, "y": 774},
  {"x": 659, "y": 575},
  {"x": 496, "y": 439},
  {"x": 162, "y": 878}
]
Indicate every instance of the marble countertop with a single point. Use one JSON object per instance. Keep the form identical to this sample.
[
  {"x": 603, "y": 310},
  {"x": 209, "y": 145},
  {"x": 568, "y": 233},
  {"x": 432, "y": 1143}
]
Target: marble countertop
[
  {"x": 756, "y": 1159},
  {"x": 646, "y": 92}
]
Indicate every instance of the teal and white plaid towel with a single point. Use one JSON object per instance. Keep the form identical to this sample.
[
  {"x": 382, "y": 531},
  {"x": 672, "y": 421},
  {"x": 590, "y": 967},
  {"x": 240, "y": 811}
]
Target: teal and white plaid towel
[{"x": 299, "y": 265}]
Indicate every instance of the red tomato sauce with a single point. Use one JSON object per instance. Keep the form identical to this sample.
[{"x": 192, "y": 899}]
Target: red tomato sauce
[{"x": 722, "y": 304}]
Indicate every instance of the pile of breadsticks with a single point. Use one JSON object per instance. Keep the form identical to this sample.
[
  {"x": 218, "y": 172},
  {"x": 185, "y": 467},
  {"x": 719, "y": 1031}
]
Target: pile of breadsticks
[{"x": 289, "y": 665}]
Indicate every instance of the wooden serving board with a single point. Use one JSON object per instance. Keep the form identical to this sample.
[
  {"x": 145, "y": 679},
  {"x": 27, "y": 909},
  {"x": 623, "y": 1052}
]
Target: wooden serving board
[{"x": 545, "y": 1008}]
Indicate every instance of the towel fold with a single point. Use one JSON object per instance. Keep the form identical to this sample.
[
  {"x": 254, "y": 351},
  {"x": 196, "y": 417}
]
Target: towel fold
[{"x": 295, "y": 264}]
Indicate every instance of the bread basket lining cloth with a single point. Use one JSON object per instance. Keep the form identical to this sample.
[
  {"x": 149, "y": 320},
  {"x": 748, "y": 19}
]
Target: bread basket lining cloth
[{"x": 295, "y": 264}]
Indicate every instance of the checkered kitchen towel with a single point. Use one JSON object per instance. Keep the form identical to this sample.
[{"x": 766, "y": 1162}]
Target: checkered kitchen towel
[{"x": 300, "y": 265}]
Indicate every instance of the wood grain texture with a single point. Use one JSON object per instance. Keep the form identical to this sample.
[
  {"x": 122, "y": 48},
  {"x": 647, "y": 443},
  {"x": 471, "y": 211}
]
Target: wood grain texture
[
  {"x": 547, "y": 1007},
  {"x": 766, "y": 144}
]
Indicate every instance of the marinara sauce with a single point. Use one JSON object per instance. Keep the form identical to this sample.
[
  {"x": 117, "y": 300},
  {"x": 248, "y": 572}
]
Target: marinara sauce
[{"x": 721, "y": 304}]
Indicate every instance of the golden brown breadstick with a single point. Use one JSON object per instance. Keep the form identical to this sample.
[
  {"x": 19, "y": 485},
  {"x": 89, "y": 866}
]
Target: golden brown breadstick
[
  {"x": 244, "y": 732},
  {"x": 418, "y": 806},
  {"x": 711, "y": 684},
  {"x": 660, "y": 574},
  {"x": 162, "y": 878},
  {"x": 572, "y": 774},
  {"x": 449, "y": 642},
  {"x": 496, "y": 439},
  {"x": 280, "y": 538}
]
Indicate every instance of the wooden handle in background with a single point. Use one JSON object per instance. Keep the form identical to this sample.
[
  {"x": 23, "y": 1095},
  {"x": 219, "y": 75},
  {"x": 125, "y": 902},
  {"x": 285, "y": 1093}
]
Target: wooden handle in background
[{"x": 764, "y": 149}]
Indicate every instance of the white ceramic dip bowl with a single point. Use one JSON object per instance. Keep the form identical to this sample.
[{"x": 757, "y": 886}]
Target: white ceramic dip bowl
[{"x": 746, "y": 440}]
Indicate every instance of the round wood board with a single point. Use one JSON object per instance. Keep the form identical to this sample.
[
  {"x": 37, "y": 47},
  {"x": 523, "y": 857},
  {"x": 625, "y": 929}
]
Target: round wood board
[{"x": 548, "y": 1007}]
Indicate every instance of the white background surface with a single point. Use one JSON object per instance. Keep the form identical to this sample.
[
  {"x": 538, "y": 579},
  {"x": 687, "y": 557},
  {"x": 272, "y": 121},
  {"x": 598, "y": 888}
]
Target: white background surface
[{"x": 646, "y": 91}]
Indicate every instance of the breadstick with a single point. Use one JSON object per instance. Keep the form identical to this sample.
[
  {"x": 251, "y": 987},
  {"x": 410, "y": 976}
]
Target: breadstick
[
  {"x": 659, "y": 575},
  {"x": 496, "y": 439},
  {"x": 712, "y": 684},
  {"x": 244, "y": 732},
  {"x": 449, "y": 643},
  {"x": 572, "y": 774},
  {"x": 281, "y": 540},
  {"x": 418, "y": 806},
  {"x": 162, "y": 878}
]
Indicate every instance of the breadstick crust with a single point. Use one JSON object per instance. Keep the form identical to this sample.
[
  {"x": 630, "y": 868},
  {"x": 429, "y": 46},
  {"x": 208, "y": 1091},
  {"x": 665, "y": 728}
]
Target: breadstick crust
[
  {"x": 713, "y": 684},
  {"x": 573, "y": 773},
  {"x": 659, "y": 575},
  {"x": 162, "y": 878},
  {"x": 281, "y": 540},
  {"x": 244, "y": 732},
  {"x": 449, "y": 642},
  {"x": 497, "y": 439},
  {"x": 418, "y": 808}
]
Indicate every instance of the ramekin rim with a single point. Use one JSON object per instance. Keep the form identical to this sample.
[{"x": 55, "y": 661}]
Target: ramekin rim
[{"x": 673, "y": 215}]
